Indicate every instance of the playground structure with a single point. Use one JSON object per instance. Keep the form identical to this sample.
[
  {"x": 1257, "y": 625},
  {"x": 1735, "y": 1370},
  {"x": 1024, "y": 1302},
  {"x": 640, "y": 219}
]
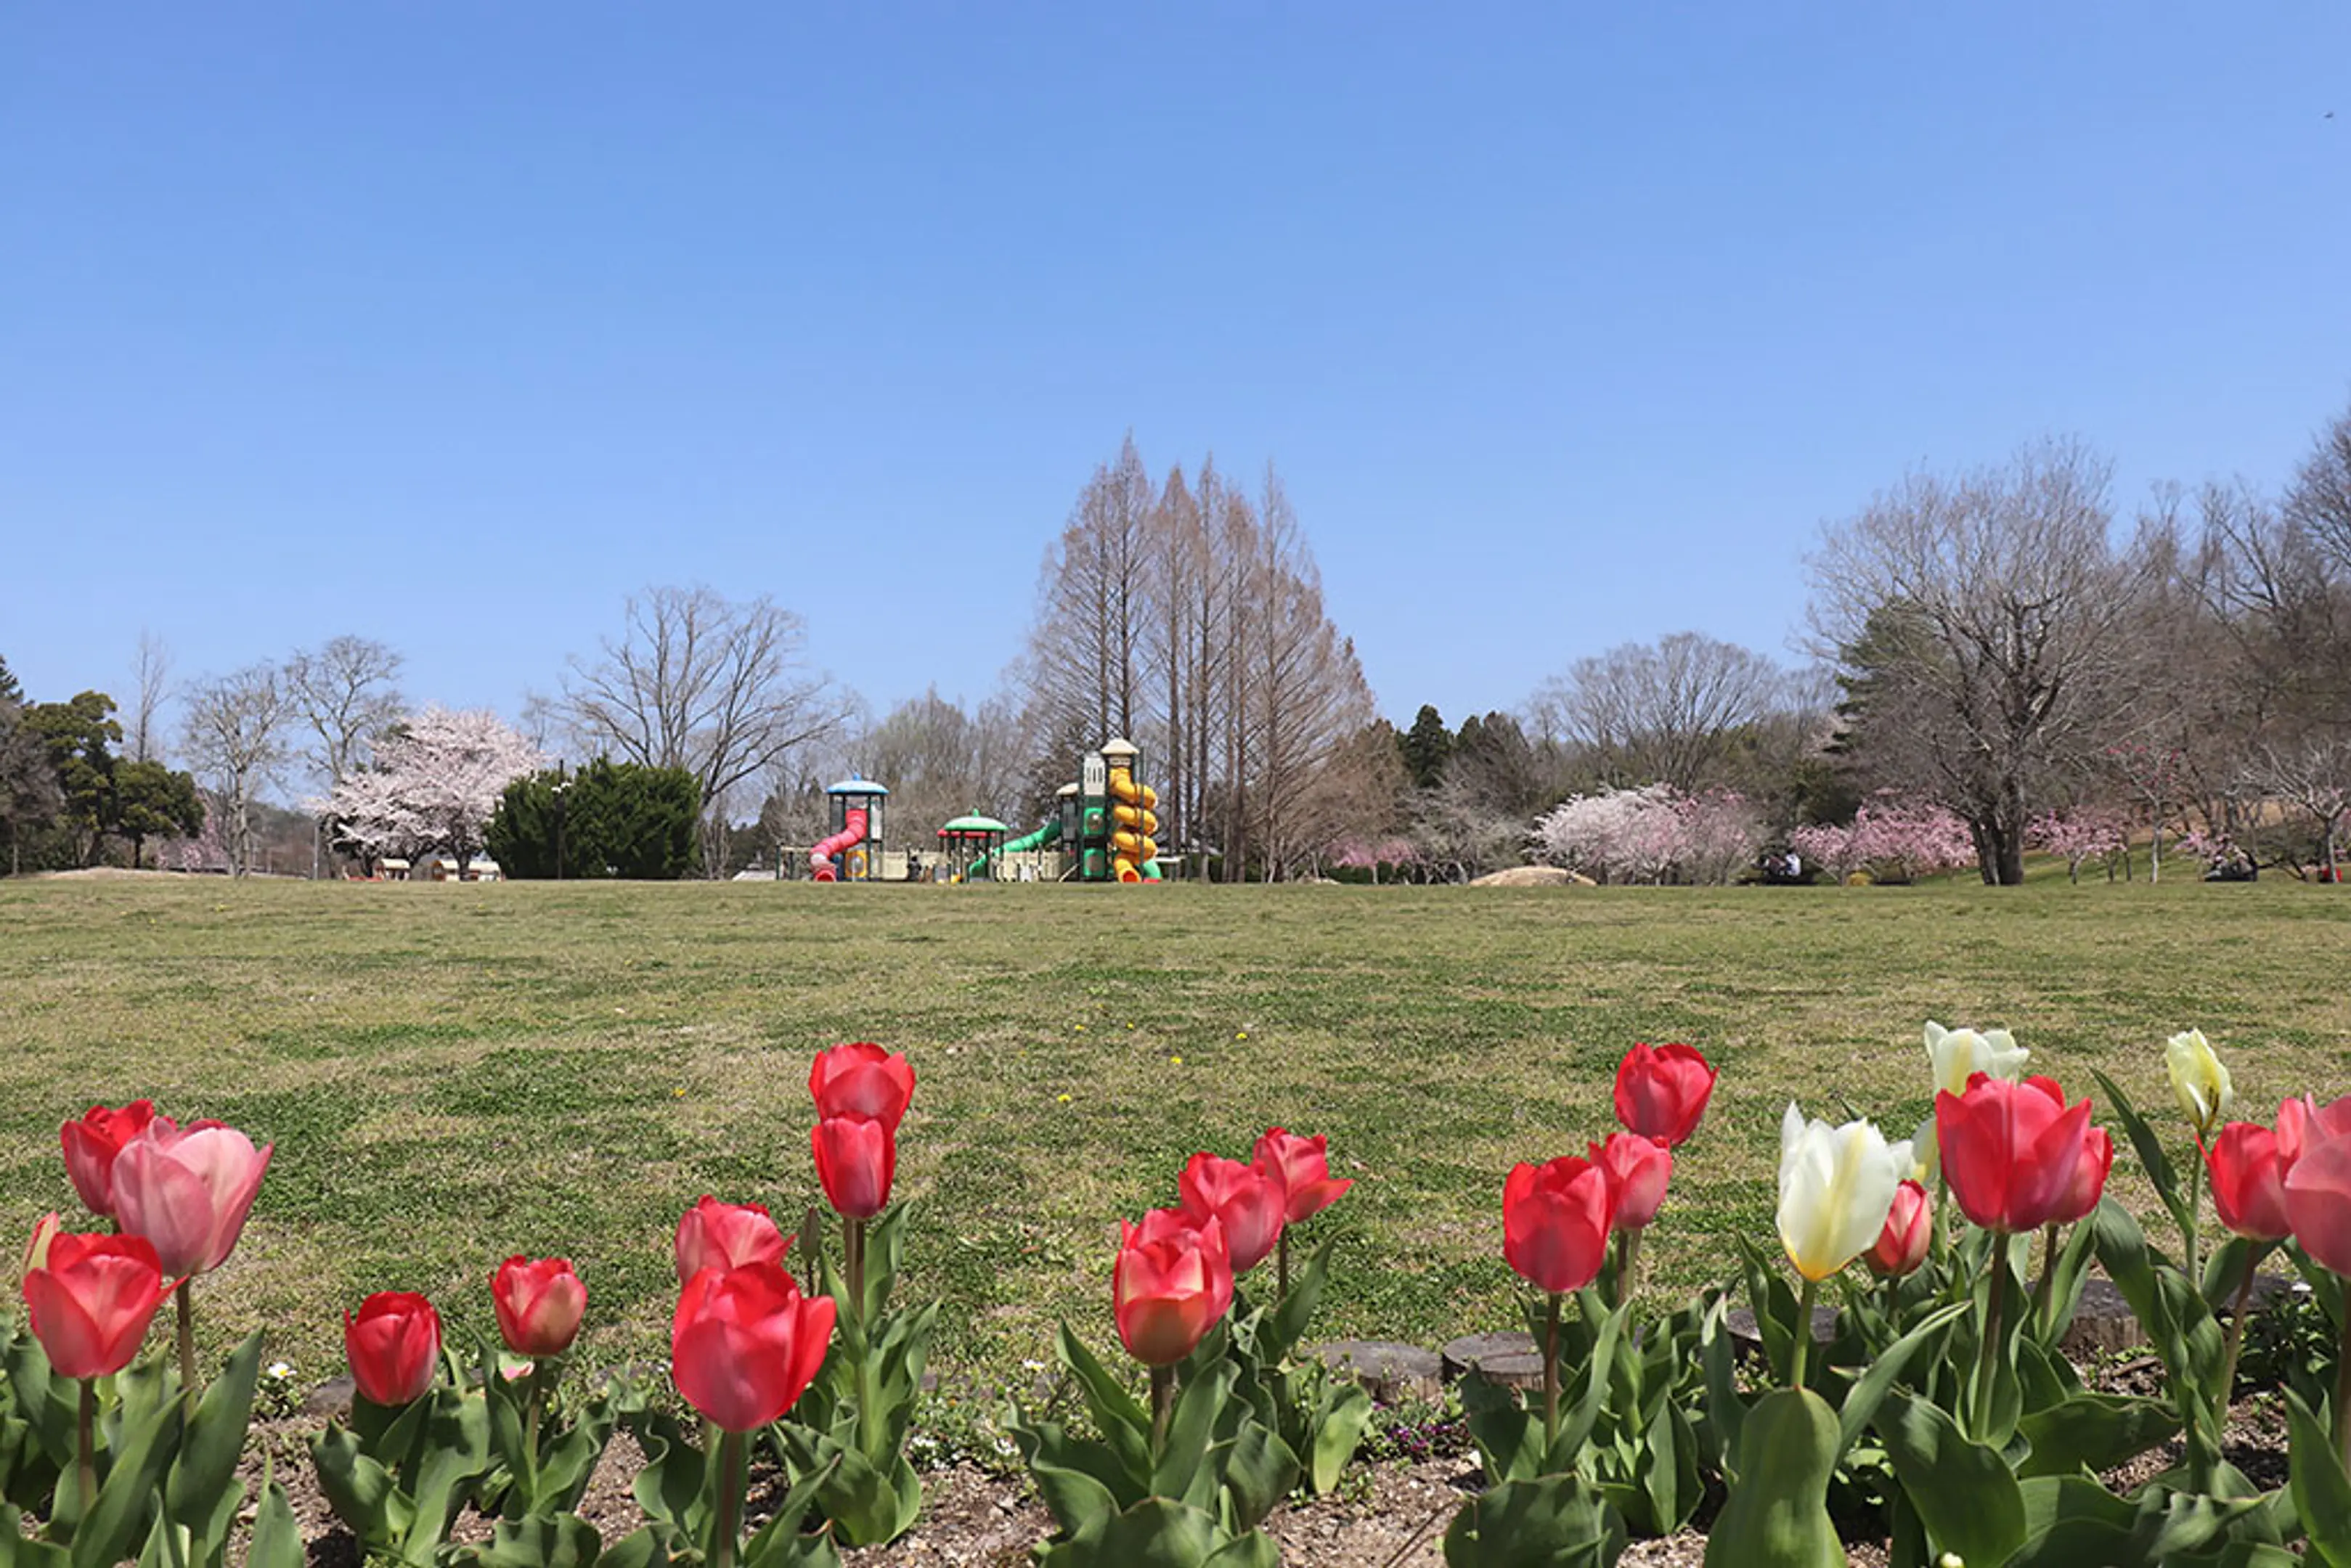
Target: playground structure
[
  {"x": 968, "y": 847},
  {"x": 1117, "y": 816},
  {"x": 852, "y": 852}
]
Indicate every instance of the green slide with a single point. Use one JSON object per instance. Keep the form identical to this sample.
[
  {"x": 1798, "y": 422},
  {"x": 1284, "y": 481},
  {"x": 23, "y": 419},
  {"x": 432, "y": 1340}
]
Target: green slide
[{"x": 1051, "y": 833}]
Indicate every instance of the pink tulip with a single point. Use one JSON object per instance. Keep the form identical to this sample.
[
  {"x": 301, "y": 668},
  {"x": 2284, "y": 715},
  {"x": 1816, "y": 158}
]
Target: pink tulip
[
  {"x": 856, "y": 1157},
  {"x": 1304, "y": 1168},
  {"x": 1662, "y": 1091},
  {"x": 2090, "y": 1171},
  {"x": 188, "y": 1190},
  {"x": 1639, "y": 1170},
  {"x": 2318, "y": 1202},
  {"x": 1246, "y": 1200},
  {"x": 2010, "y": 1151},
  {"x": 714, "y": 1234},
  {"x": 91, "y": 1301},
  {"x": 92, "y": 1144},
  {"x": 1556, "y": 1222},
  {"x": 394, "y": 1347},
  {"x": 2248, "y": 1181},
  {"x": 1909, "y": 1227},
  {"x": 2302, "y": 1125},
  {"x": 539, "y": 1302},
  {"x": 1173, "y": 1280},
  {"x": 861, "y": 1079}
]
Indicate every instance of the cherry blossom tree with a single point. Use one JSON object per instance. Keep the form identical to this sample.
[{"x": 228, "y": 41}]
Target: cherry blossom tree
[
  {"x": 1653, "y": 834},
  {"x": 2079, "y": 835},
  {"x": 1892, "y": 839},
  {"x": 434, "y": 786}
]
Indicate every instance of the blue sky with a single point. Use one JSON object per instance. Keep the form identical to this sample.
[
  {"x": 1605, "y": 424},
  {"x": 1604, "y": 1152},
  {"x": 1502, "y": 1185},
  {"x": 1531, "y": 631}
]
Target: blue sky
[{"x": 451, "y": 325}]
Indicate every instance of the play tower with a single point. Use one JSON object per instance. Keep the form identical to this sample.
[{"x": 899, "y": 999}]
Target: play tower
[
  {"x": 852, "y": 851},
  {"x": 1116, "y": 815}
]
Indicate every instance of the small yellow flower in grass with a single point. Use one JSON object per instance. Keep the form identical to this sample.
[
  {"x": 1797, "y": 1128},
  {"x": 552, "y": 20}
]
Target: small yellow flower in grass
[
  {"x": 1060, "y": 1099},
  {"x": 1081, "y": 1028},
  {"x": 678, "y": 1092},
  {"x": 1240, "y": 1034},
  {"x": 1175, "y": 1062}
]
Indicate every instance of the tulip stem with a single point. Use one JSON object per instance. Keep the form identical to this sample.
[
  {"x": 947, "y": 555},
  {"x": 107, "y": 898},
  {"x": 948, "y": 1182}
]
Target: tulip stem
[
  {"x": 1628, "y": 1262},
  {"x": 2341, "y": 1397},
  {"x": 535, "y": 1397},
  {"x": 2236, "y": 1336},
  {"x": 853, "y": 1247},
  {"x": 2195, "y": 1205},
  {"x": 730, "y": 1500},
  {"x": 1802, "y": 1349},
  {"x": 2044, "y": 1289},
  {"x": 1162, "y": 1406},
  {"x": 1281, "y": 1265},
  {"x": 1551, "y": 1373},
  {"x": 186, "y": 1334},
  {"x": 85, "y": 1456},
  {"x": 1989, "y": 1350}
]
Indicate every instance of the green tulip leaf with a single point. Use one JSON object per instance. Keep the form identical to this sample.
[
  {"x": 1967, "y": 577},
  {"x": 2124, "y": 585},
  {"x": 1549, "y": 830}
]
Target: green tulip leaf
[
  {"x": 779, "y": 1543},
  {"x": 644, "y": 1548},
  {"x": 1282, "y": 1329},
  {"x": 1861, "y": 1401},
  {"x": 17, "y": 1551},
  {"x": 103, "y": 1536},
  {"x": 2321, "y": 1491},
  {"x": 213, "y": 1439},
  {"x": 1338, "y": 1435},
  {"x": 1191, "y": 1425},
  {"x": 1255, "y": 1549},
  {"x": 277, "y": 1541},
  {"x": 1074, "y": 1497},
  {"x": 1154, "y": 1533},
  {"x": 1258, "y": 1470},
  {"x": 1963, "y": 1491},
  {"x": 541, "y": 1541},
  {"x": 2152, "y": 1157},
  {"x": 1725, "y": 1409},
  {"x": 1125, "y": 1425},
  {"x": 2093, "y": 1432},
  {"x": 1553, "y": 1521},
  {"x": 360, "y": 1490},
  {"x": 1510, "y": 1438},
  {"x": 1777, "y": 1514},
  {"x": 1667, "y": 1467}
]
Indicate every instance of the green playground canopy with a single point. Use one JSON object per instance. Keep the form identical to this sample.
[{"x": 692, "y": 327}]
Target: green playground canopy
[{"x": 974, "y": 826}]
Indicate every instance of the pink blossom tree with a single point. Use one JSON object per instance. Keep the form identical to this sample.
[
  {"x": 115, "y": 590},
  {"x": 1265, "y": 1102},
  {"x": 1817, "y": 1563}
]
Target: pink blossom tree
[
  {"x": 435, "y": 785},
  {"x": 2079, "y": 835}
]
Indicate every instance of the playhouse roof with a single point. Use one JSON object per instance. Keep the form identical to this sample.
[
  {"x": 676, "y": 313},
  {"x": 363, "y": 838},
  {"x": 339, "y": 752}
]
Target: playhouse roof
[
  {"x": 853, "y": 785},
  {"x": 974, "y": 823}
]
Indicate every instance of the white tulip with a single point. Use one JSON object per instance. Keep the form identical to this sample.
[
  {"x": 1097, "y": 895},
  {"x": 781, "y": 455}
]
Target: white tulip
[
  {"x": 1836, "y": 1187},
  {"x": 2199, "y": 1080},
  {"x": 1958, "y": 1054}
]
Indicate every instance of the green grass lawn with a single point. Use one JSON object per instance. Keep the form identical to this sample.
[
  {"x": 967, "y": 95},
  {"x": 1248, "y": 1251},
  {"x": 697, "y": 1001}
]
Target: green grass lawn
[{"x": 452, "y": 1074}]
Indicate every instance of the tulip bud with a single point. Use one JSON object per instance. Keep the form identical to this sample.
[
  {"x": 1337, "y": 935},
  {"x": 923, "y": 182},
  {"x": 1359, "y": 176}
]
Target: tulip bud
[
  {"x": 394, "y": 1347},
  {"x": 1662, "y": 1091},
  {"x": 1556, "y": 1222},
  {"x": 1639, "y": 1171},
  {"x": 2199, "y": 1081},
  {"x": 856, "y": 1159},
  {"x": 539, "y": 1304},
  {"x": 861, "y": 1079},
  {"x": 2010, "y": 1151},
  {"x": 2249, "y": 1182},
  {"x": 36, "y": 1248},
  {"x": 1910, "y": 1228}
]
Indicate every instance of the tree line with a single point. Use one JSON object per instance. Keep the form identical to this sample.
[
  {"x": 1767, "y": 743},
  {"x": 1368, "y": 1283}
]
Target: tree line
[{"x": 1995, "y": 647}]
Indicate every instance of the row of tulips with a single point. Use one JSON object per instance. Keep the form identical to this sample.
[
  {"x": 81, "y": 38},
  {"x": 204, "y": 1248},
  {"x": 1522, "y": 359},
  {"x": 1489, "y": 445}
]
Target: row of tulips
[{"x": 1987, "y": 1445}]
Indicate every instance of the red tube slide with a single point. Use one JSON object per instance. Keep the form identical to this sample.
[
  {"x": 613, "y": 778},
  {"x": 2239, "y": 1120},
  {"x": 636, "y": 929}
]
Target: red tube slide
[{"x": 821, "y": 853}]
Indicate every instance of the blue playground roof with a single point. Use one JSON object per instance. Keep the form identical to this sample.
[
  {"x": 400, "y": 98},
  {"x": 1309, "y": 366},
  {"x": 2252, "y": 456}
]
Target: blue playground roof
[{"x": 853, "y": 785}]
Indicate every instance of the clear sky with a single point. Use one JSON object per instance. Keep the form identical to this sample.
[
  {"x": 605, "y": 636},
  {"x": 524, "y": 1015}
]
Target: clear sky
[{"x": 450, "y": 324}]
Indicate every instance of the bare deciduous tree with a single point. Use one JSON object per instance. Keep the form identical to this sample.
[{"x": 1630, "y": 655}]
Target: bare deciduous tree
[
  {"x": 150, "y": 687},
  {"x": 347, "y": 692},
  {"x": 1668, "y": 710},
  {"x": 714, "y": 685},
  {"x": 1982, "y": 625},
  {"x": 236, "y": 739}
]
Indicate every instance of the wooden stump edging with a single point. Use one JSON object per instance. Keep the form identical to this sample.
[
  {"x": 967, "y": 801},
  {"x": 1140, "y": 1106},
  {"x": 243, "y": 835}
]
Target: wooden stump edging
[
  {"x": 1741, "y": 1321},
  {"x": 1510, "y": 1360},
  {"x": 1390, "y": 1371}
]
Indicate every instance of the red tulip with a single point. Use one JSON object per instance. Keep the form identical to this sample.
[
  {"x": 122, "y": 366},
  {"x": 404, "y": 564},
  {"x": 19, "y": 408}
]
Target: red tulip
[
  {"x": 1662, "y": 1091},
  {"x": 91, "y": 1300},
  {"x": 2303, "y": 1124},
  {"x": 2096, "y": 1159},
  {"x": 2248, "y": 1181},
  {"x": 1556, "y": 1222},
  {"x": 539, "y": 1302},
  {"x": 1639, "y": 1170},
  {"x": 394, "y": 1346},
  {"x": 91, "y": 1144},
  {"x": 1247, "y": 1200},
  {"x": 188, "y": 1190},
  {"x": 1909, "y": 1227},
  {"x": 714, "y": 1234},
  {"x": 2009, "y": 1150},
  {"x": 862, "y": 1080},
  {"x": 2318, "y": 1202},
  {"x": 855, "y": 1158},
  {"x": 744, "y": 1344},
  {"x": 1173, "y": 1280},
  {"x": 1304, "y": 1168}
]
